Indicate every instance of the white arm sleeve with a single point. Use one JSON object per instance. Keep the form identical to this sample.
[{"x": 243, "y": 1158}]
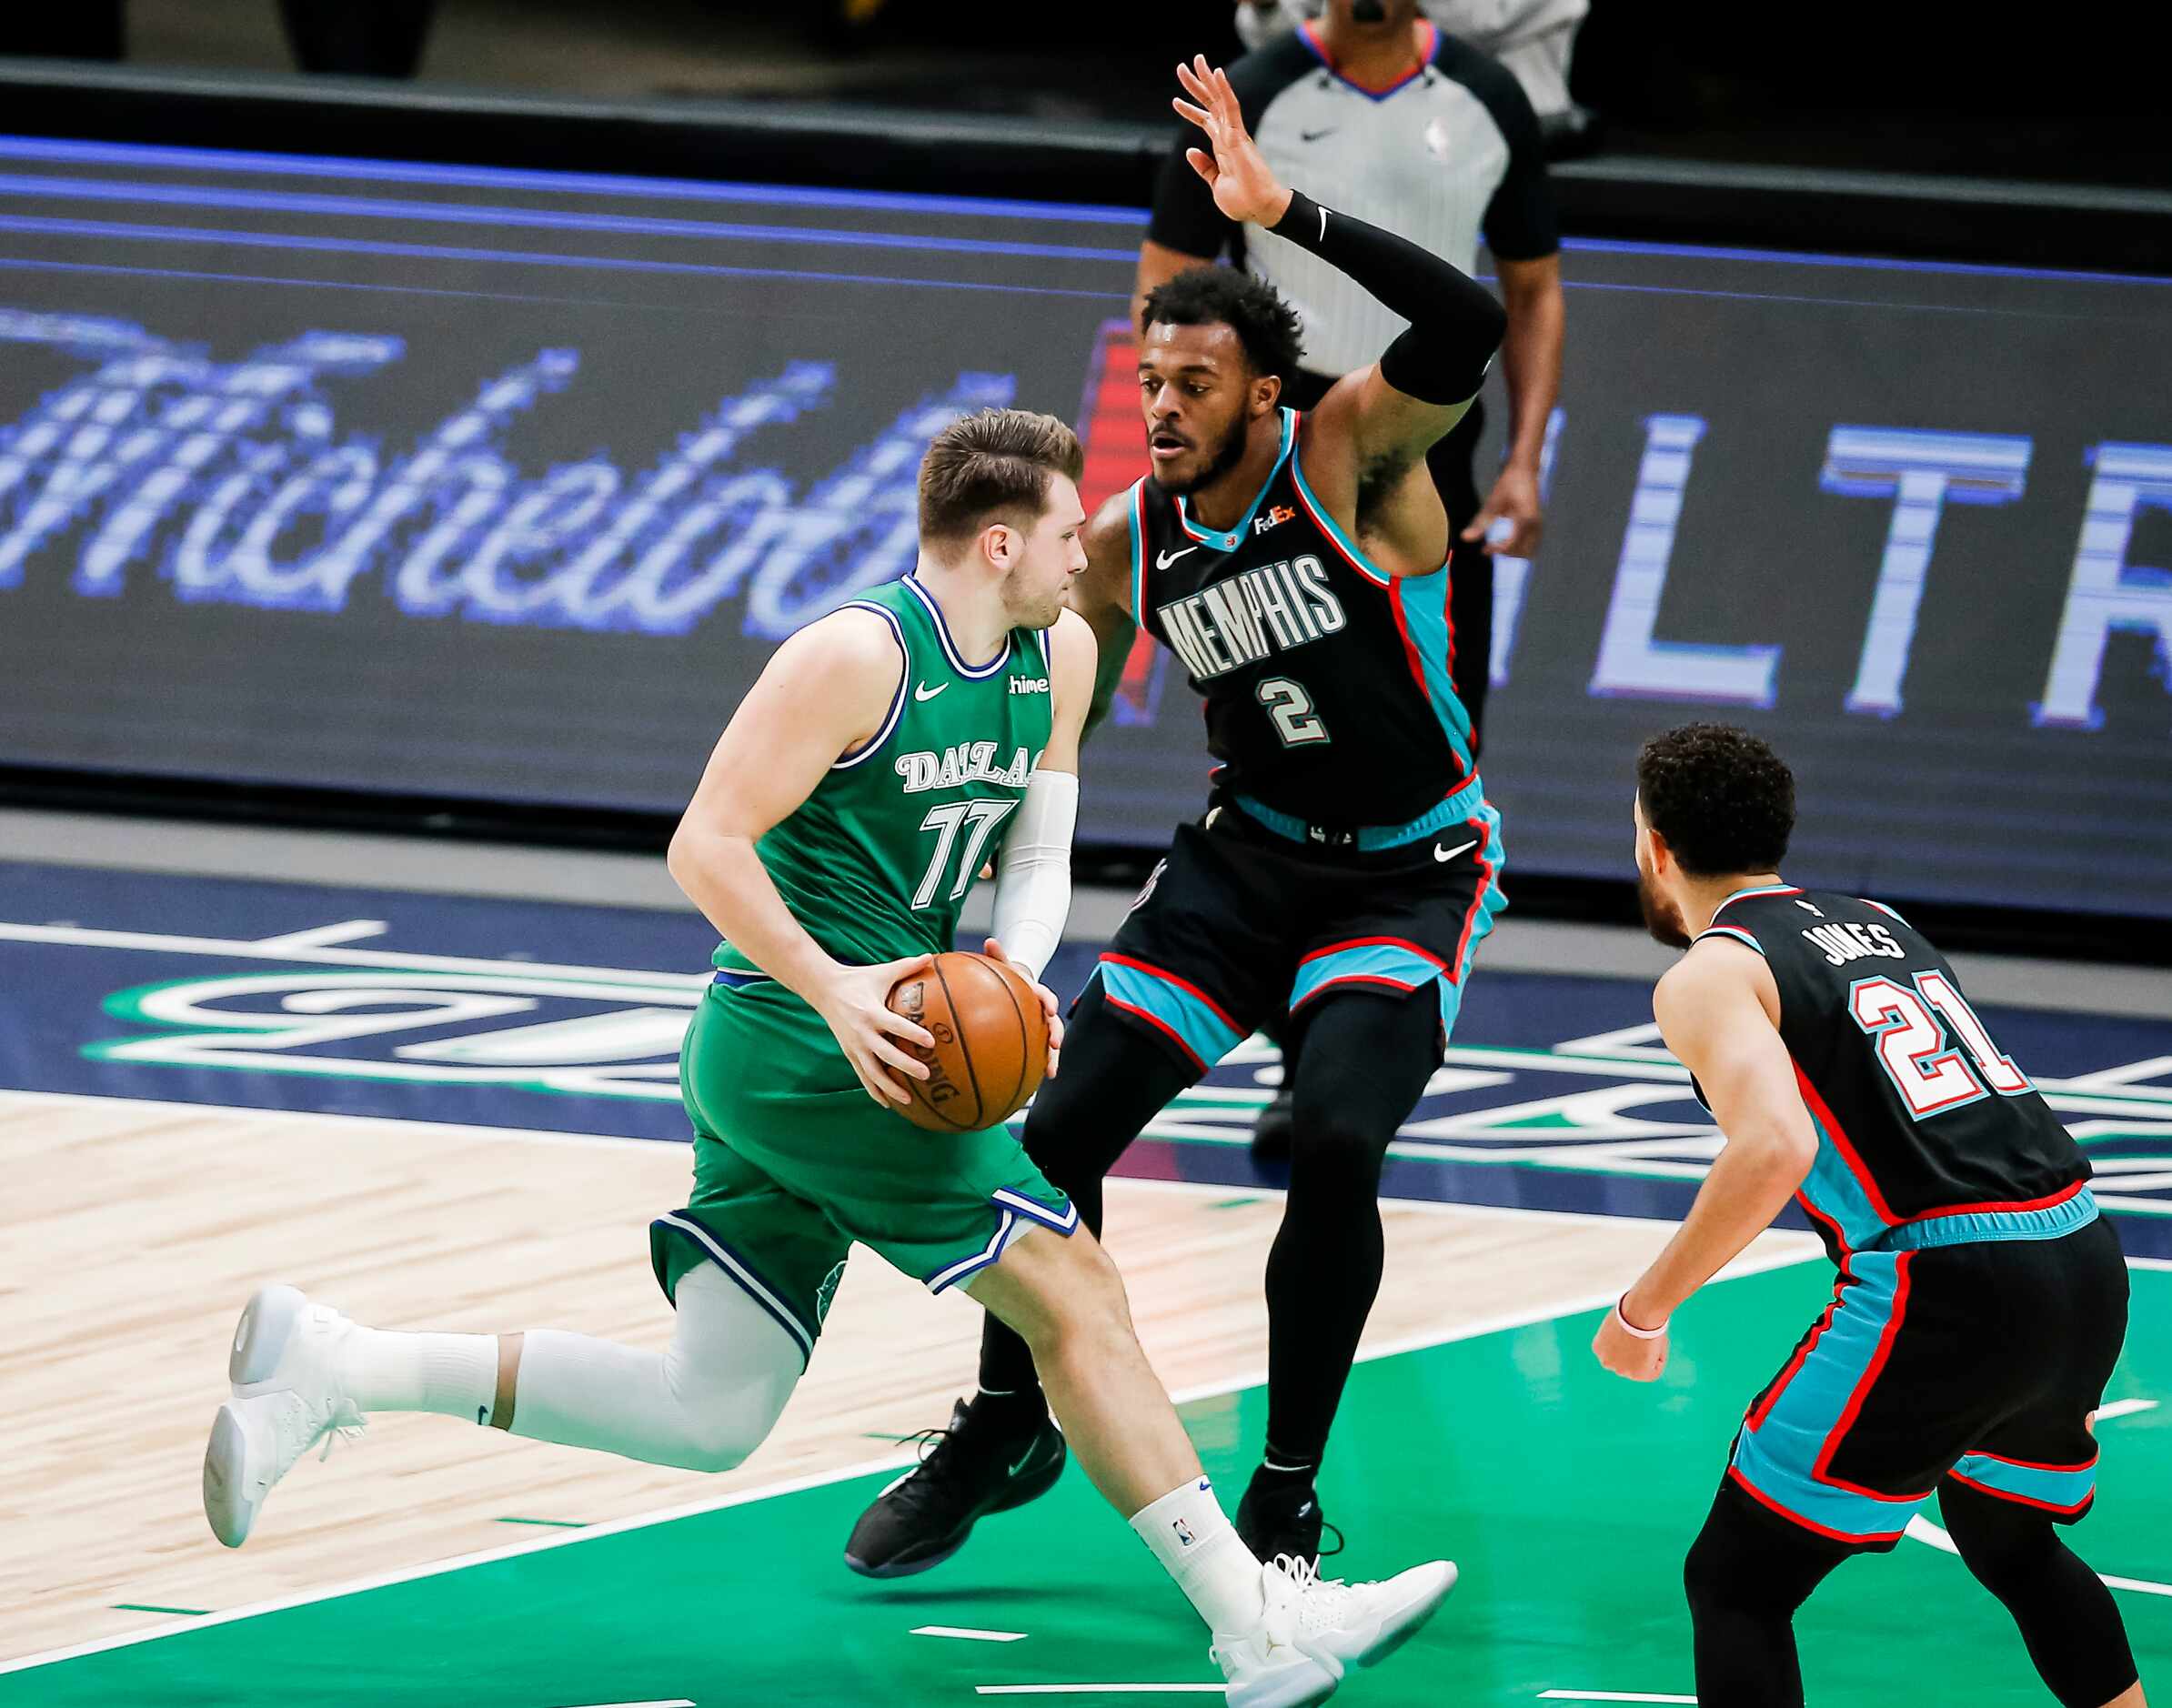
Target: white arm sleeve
[{"x": 1033, "y": 894}]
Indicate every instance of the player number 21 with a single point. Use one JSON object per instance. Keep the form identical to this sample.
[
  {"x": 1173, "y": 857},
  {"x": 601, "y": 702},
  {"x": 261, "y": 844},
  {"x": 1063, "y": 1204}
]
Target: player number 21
[
  {"x": 1910, "y": 1043},
  {"x": 983, "y": 816},
  {"x": 1292, "y": 709}
]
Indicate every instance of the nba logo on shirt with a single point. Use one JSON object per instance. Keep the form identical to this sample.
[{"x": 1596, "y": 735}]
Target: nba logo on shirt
[{"x": 1184, "y": 1532}]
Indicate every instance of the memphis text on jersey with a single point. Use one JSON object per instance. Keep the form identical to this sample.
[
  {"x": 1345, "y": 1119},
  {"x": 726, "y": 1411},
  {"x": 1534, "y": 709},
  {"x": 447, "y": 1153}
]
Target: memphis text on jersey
[{"x": 1274, "y": 607}]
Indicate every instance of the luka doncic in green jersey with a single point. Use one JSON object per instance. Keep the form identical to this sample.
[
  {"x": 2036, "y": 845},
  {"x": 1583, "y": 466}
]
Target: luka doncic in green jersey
[{"x": 875, "y": 864}]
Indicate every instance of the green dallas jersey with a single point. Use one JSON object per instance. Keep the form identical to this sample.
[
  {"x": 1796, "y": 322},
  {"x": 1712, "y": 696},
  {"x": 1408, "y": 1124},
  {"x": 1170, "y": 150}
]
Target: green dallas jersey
[{"x": 876, "y": 863}]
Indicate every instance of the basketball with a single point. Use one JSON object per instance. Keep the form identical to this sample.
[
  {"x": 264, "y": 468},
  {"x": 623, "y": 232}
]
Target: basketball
[{"x": 992, "y": 1042}]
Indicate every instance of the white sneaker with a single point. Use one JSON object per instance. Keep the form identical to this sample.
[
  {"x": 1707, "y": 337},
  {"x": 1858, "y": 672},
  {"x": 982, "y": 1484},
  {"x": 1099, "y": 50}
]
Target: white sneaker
[
  {"x": 1312, "y": 1631},
  {"x": 288, "y": 1397}
]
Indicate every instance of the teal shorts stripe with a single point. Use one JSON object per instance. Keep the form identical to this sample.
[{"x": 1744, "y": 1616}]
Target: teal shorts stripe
[
  {"x": 2064, "y": 1490},
  {"x": 1182, "y": 1011}
]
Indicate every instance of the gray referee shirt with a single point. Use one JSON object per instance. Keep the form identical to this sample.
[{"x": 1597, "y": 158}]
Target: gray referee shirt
[{"x": 1448, "y": 153}]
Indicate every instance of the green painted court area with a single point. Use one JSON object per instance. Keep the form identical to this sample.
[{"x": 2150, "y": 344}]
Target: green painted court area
[{"x": 1567, "y": 1496}]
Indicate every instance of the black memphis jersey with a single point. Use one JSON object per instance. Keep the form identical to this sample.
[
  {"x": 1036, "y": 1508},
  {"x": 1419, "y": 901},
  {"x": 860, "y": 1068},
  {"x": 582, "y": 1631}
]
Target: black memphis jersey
[
  {"x": 1918, "y": 1113},
  {"x": 1326, "y": 681}
]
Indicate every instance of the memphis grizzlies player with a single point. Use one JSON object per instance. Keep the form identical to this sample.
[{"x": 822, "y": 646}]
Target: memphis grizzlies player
[
  {"x": 1981, "y": 1301},
  {"x": 832, "y": 841},
  {"x": 1349, "y": 865}
]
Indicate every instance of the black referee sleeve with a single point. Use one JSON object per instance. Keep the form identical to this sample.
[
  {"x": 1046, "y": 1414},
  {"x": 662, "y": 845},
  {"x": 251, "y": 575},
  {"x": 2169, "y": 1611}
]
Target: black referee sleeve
[
  {"x": 1185, "y": 218},
  {"x": 1455, "y": 324},
  {"x": 1520, "y": 224}
]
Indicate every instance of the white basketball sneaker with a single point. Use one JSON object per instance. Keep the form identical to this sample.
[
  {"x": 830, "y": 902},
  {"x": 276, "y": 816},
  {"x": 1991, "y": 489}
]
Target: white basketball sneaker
[
  {"x": 1312, "y": 1631},
  {"x": 288, "y": 1397}
]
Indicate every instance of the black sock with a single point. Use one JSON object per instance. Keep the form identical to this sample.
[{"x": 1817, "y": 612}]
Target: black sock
[
  {"x": 1278, "y": 1470},
  {"x": 1019, "y": 1412}
]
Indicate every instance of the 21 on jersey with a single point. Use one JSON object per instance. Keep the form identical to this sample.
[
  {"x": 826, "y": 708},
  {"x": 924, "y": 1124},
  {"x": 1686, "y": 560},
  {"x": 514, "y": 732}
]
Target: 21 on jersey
[
  {"x": 1326, "y": 681},
  {"x": 1918, "y": 1112}
]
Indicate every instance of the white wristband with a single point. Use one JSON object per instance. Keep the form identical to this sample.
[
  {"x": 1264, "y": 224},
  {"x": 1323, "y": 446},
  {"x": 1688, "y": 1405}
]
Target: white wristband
[{"x": 1630, "y": 1329}]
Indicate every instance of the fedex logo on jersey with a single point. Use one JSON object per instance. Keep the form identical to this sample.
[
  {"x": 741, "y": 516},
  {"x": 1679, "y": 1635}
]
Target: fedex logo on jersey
[
  {"x": 1275, "y": 516},
  {"x": 968, "y": 762},
  {"x": 1274, "y": 607}
]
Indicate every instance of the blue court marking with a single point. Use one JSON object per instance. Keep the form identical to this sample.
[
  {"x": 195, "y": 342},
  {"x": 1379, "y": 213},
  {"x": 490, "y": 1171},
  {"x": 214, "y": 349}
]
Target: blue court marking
[
  {"x": 362, "y": 169},
  {"x": 354, "y": 168},
  {"x": 563, "y": 1019},
  {"x": 532, "y": 218},
  {"x": 15, "y": 264},
  {"x": 1868, "y": 263},
  {"x": 212, "y": 236}
]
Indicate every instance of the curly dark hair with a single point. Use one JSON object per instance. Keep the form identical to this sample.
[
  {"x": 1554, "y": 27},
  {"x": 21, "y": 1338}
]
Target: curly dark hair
[
  {"x": 1722, "y": 798},
  {"x": 1266, "y": 325}
]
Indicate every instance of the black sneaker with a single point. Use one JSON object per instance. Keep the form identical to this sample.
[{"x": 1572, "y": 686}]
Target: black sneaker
[
  {"x": 969, "y": 1471},
  {"x": 1270, "y": 1133},
  {"x": 1280, "y": 1515}
]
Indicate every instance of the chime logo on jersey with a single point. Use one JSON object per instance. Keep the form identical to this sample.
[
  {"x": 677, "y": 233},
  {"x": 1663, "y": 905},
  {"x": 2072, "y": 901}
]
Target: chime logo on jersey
[
  {"x": 968, "y": 762},
  {"x": 1274, "y": 607}
]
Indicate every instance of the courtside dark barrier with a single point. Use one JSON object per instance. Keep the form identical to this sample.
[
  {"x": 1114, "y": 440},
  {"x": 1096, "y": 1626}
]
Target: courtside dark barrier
[{"x": 460, "y": 461}]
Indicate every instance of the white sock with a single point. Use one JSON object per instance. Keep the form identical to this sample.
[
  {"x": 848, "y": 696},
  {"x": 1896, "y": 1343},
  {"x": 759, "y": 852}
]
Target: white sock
[
  {"x": 1192, "y": 1539},
  {"x": 455, "y": 1374}
]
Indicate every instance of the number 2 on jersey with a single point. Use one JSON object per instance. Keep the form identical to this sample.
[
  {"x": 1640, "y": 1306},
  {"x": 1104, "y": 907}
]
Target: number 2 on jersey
[
  {"x": 1292, "y": 709},
  {"x": 1928, "y": 1077},
  {"x": 983, "y": 815}
]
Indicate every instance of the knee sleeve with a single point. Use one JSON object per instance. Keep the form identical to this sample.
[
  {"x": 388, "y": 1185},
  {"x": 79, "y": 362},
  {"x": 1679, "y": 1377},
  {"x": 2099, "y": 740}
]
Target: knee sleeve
[
  {"x": 1746, "y": 1561},
  {"x": 1114, "y": 1078},
  {"x": 1362, "y": 1064},
  {"x": 2001, "y": 1544},
  {"x": 2063, "y": 1612},
  {"x": 705, "y": 1404}
]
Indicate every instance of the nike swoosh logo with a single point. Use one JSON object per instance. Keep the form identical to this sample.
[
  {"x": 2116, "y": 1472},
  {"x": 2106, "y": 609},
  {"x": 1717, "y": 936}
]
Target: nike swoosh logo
[
  {"x": 1445, "y": 855},
  {"x": 1163, "y": 559},
  {"x": 921, "y": 690},
  {"x": 1314, "y": 136}
]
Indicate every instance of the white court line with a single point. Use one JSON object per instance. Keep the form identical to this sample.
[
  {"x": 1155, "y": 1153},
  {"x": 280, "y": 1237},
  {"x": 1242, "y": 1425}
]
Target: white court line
[
  {"x": 325, "y": 935},
  {"x": 489, "y": 1556},
  {"x": 2125, "y": 1408},
  {"x": 250, "y": 949},
  {"x": 967, "y": 1634},
  {"x": 676, "y": 1702},
  {"x": 1607, "y": 1695},
  {"x": 1100, "y": 1689},
  {"x": 532, "y": 1135},
  {"x": 573, "y": 1538},
  {"x": 1923, "y": 1530},
  {"x": 2149, "y": 1262}
]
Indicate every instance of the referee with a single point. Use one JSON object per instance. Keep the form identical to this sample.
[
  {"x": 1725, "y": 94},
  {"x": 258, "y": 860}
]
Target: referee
[{"x": 1381, "y": 114}]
